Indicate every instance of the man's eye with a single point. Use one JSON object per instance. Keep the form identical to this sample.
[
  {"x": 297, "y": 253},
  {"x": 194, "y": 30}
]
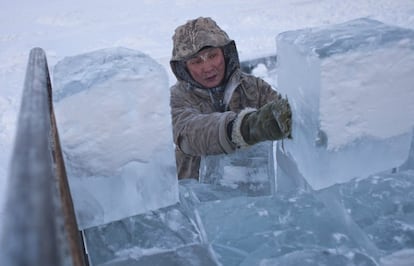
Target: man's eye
[
  {"x": 212, "y": 55},
  {"x": 195, "y": 61}
]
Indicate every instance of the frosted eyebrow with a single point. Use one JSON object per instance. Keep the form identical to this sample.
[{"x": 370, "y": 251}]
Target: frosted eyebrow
[{"x": 203, "y": 55}]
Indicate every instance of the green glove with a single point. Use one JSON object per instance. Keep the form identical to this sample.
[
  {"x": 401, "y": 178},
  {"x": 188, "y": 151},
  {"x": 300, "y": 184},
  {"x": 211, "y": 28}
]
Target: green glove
[{"x": 272, "y": 121}]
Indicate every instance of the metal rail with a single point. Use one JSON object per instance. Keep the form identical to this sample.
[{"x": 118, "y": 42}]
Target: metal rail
[{"x": 39, "y": 226}]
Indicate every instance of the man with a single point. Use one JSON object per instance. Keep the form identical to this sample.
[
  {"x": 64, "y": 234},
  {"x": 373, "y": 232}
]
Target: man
[{"x": 215, "y": 107}]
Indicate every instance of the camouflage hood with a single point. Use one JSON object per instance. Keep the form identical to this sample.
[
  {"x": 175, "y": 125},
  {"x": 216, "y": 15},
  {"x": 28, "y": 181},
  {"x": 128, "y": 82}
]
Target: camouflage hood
[{"x": 195, "y": 35}]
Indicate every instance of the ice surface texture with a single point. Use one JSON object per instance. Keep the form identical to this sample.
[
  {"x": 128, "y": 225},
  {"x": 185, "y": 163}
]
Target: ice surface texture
[
  {"x": 289, "y": 229},
  {"x": 112, "y": 110},
  {"x": 331, "y": 76},
  {"x": 250, "y": 171}
]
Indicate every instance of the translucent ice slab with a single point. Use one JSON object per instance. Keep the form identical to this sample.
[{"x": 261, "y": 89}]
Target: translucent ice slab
[
  {"x": 112, "y": 110},
  {"x": 351, "y": 89}
]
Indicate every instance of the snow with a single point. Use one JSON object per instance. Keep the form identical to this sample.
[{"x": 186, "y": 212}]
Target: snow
[{"x": 68, "y": 28}]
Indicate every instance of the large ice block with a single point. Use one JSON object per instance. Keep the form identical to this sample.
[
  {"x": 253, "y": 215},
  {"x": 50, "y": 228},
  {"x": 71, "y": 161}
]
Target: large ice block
[
  {"x": 112, "y": 110},
  {"x": 351, "y": 87}
]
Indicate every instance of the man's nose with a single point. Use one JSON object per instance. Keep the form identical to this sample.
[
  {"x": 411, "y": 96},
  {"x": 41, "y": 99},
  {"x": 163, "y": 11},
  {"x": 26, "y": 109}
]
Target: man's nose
[{"x": 207, "y": 66}]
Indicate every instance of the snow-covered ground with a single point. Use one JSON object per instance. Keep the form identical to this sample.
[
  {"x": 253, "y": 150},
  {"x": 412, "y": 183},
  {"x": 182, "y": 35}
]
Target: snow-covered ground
[{"x": 67, "y": 28}]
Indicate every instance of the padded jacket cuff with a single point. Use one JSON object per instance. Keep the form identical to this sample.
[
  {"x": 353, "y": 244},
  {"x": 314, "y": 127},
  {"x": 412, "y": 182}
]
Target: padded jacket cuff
[{"x": 236, "y": 134}]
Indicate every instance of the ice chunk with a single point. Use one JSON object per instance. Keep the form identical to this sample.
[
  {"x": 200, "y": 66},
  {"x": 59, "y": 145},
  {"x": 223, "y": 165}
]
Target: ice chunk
[
  {"x": 369, "y": 220},
  {"x": 160, "y": 231},
  {"x": 400, "y": 258},
  {"x": 311, "y": 257},
  {"x": 246, "y": 231},
  {"x": 112, "y": 110},
  {"x": 383, "y": 206},
  {"x": 351, "y": 88},
  {"x": 199, "y": 255},
  {"x": 249, "y": 171}
]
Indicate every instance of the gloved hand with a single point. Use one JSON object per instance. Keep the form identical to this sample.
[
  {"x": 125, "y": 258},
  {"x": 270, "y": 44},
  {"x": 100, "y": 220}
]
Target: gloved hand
[
  {"x": 283, "y": 115},
  {"x": 272, "y": 121}
]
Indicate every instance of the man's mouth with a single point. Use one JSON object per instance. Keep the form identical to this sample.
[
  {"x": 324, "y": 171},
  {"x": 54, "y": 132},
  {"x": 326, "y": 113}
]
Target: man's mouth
[{"x": 211, "y": 78}]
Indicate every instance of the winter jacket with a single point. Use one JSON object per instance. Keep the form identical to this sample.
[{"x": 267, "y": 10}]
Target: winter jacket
[{"x": 200, "y": 126}]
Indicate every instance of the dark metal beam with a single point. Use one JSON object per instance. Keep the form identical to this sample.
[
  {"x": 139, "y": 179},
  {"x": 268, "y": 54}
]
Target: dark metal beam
[{"x": 39, "y": 226}]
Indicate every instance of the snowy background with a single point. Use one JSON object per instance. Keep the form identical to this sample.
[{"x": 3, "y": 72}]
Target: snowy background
[{"x": 69, "y": 28}]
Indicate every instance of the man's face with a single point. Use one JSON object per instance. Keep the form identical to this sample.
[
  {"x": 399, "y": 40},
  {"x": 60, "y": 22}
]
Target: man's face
[{"x": 207, "y": 67}]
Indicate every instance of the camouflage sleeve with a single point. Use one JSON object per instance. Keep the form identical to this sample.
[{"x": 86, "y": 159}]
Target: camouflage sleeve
[
  {"x": 267, "y": 92},
  {"x": 196, "y": 133}
]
